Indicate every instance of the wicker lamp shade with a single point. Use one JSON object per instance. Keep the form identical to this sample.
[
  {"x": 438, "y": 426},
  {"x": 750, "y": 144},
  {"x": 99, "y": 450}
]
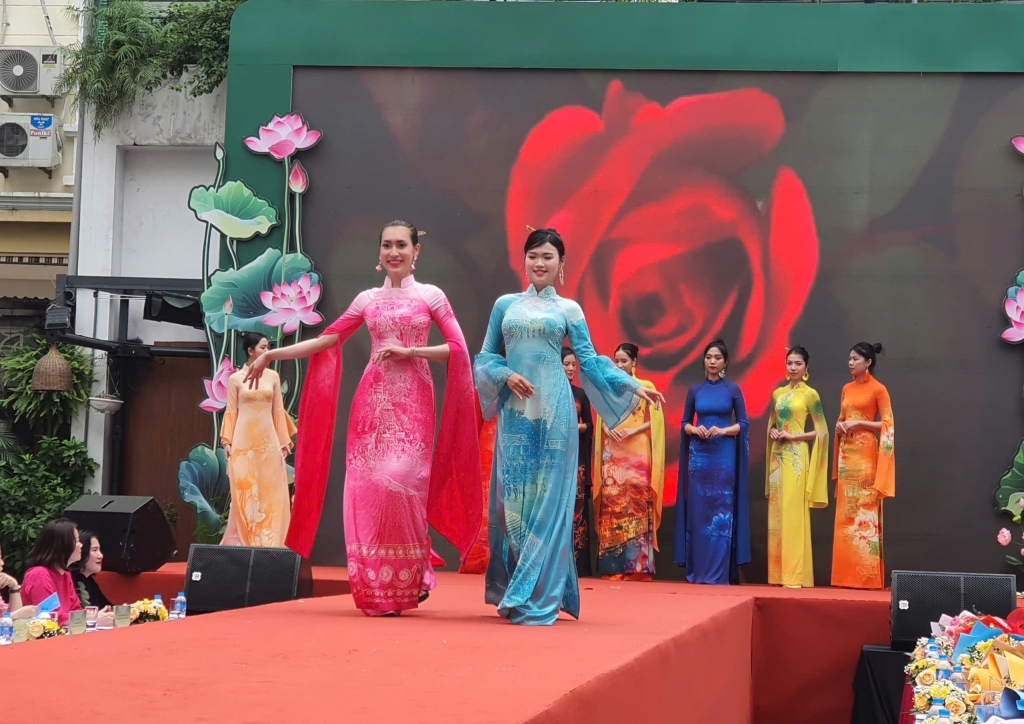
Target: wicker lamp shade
[{"x": 52, "y": 373}]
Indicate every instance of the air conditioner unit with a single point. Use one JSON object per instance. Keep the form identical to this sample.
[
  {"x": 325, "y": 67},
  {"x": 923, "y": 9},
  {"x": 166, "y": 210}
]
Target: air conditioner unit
[
  {"x": 28, "y": 71},
  {"x": 29, "y": 140}
]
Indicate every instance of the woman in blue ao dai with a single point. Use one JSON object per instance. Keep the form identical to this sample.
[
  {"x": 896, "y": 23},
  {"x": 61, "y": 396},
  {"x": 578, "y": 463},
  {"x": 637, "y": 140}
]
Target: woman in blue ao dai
[
  {"x": 531, "y": 575},
  {"x": 713, "y": 509}
]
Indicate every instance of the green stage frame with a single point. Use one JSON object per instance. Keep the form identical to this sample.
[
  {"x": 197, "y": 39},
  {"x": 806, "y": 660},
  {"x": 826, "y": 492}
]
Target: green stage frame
[{"x": 270, "y": 37}]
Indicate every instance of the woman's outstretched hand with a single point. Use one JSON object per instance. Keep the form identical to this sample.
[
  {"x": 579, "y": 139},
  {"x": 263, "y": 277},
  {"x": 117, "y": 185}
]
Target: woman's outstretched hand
[
  {"x": 652, "y": 396},
  {"x": 256, "y": 369}
]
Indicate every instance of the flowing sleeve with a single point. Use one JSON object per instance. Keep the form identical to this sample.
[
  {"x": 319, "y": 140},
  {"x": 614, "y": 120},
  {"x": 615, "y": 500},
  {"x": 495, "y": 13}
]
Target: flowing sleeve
[
  {"x": 657, "y": 462},
  {"x": 681, "y": 534},
  {"x": 318, "y": 411},
  {"x": 490, "y": 368},
  {"x": 773, "y": 420},
  {"x": 742, "y": 528},
  {"x": 835, "y": 452},
  {"x": 227, "y": 428},
  {"x": 282, "y": 422},
  {"x": 817, "y": 471},
  {"x": 885, "y": 472},
  {"x": 597, "y": 462},
  {"x": 455, "y": 498},
  {"x": 610, "y": 390},
  {"x": 586, "y": 413}
]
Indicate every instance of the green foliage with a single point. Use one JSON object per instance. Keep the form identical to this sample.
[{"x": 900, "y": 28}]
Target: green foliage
[
  {"x": 111, "y": 70},
  {"x": 196, "y": 39},
  {"x": 130, "y": 51},
  {"x": 46, "y": 412},
  {"x": 10, "y": 446},
  {"x": 35, "y": 489}
]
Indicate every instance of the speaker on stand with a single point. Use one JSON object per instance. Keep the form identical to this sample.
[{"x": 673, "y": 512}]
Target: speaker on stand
[
  {"x": 221, "y": 578},
  {"x": 918, "y": 598},
  {"x": 132, "y": 529}
]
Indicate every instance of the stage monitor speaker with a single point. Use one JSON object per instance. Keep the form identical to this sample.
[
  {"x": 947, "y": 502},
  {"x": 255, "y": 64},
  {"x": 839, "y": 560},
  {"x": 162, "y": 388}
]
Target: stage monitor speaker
[
  {"x": 918, "y": 598},
  {"x": 132, "y": 529},
  {"x": 221, "y": 578}
]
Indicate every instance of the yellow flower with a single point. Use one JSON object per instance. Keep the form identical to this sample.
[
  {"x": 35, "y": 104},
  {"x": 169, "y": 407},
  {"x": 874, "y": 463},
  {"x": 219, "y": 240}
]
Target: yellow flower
[
  {"x": 922, "y": 702},
  {"x": 956, "y": 707},
  {"x": 926, "y": 677},
  {"x": 36, "y": 628},
  {"x": 163, "y": 613},
  {"x": 134, "y": 614}
]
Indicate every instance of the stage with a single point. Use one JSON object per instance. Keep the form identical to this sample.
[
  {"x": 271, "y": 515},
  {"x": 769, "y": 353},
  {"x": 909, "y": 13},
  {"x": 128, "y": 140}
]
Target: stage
[{"x": 661, "y": 652}]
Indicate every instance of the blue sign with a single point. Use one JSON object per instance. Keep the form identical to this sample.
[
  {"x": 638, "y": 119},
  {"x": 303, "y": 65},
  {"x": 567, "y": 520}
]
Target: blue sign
[{"x": 42, "y": 122}]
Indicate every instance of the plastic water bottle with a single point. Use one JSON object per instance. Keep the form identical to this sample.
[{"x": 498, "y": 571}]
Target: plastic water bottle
[
  {"x": 943, "y": 717},
  {"x": 957, "y": 678},
  {"x": 943, "y": 668},
  {"x": 180, "y": 606},
  {"x": 937, "y": 706},
  {"x": 6, "y": 630},
  {"x": 158, "y": 600}
]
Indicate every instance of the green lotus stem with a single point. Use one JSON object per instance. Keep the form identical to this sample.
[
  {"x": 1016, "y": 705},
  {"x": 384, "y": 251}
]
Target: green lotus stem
[
  {"x": 232, "y": 251},
  {"x": 298, "y": 223},
  {"x": 287, "y": 223},
  {"x": 214, "y": 362},
  {"x": 293, "y": 395}
]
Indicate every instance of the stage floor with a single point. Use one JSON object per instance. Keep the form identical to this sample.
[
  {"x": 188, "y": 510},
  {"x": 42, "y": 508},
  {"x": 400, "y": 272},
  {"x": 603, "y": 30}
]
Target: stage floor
[{"x": 657, "y": 652}]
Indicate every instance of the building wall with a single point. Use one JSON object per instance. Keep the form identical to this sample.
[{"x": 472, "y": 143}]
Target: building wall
[
  {"x": 135, "y": 220},
  {"x": 46, "y": 231}
]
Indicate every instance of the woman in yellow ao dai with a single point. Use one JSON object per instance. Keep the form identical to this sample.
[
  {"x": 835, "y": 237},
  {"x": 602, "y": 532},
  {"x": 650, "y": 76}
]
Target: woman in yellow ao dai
[{"x": 796, "y": 475}]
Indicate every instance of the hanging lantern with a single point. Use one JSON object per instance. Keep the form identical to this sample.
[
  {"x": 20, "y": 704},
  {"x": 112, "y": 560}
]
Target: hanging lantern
[{"x": 52, "y": 373}]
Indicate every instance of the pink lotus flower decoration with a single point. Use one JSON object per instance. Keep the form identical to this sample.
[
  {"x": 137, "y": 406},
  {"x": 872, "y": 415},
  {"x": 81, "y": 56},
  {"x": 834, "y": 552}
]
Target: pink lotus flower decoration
[
  {"x": 292, "y": 304},
  {"x": 298, "y": 179},
  {"x": 217, "y": 388},
  {"x": 1018, "y": 144},
  {"x": 1014, "y": 308},
  {"x": 1004, "y": 537},
  {"x": 282, "y": 137}
]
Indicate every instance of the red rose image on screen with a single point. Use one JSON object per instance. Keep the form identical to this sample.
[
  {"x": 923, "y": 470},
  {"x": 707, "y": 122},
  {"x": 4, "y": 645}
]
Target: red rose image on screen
[{"x": 664, "y": 246}]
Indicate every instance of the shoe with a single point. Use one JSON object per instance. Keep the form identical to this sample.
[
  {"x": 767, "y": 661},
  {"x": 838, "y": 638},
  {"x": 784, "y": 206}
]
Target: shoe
[{"x": 424, "y": 596}]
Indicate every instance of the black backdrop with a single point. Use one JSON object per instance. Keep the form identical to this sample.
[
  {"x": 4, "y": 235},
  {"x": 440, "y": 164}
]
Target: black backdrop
[{"x": 911, "y": 184}]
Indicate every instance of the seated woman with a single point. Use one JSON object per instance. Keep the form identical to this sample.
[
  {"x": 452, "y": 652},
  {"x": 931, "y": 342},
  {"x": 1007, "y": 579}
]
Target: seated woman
[
  {"x": 84, "y": 573},
  {"x": 14, "y": 604},
  {"x": 56, "y": 549}
]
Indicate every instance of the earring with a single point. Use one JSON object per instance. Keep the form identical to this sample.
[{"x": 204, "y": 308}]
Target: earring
[
  {"x": 412, "y": 267},
  {"x": 561, "y": 276},
  {"x": 721, "y": 375},
  {"x": 807, "y": 376},
  {"x": 379, "y": 267}
]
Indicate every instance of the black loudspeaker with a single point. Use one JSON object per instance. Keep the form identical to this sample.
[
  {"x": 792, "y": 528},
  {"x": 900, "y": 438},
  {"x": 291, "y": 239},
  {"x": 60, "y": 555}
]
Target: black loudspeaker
[
  {"x": 221, "y": 578},
  {"x": 132, "y": 529},
  {"x": 919, "y": 598}
]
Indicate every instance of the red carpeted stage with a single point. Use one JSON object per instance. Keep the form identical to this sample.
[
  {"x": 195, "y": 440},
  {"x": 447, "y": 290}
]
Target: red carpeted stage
[{"x": 657, "y": 652}]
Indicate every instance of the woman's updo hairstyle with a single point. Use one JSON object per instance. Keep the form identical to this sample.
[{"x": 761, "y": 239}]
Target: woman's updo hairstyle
[
  {"x": 540, "y": 237},
  {"x": 720, "y": 346},
  {"x": 868, "y": 351},
  {"x": 800, "y": 352},
  {"x": 567, "y": 351},
  {"x": 399, "y": 222},
  {"x": 251, "y": 340},
  {"x": 631, "y": 350}
]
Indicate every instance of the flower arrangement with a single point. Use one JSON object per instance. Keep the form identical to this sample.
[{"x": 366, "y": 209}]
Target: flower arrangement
[
  {"x": 147, "y": 610},
  {"x": 45, "y": 628},
  {"x": 932, "y": 658}
]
